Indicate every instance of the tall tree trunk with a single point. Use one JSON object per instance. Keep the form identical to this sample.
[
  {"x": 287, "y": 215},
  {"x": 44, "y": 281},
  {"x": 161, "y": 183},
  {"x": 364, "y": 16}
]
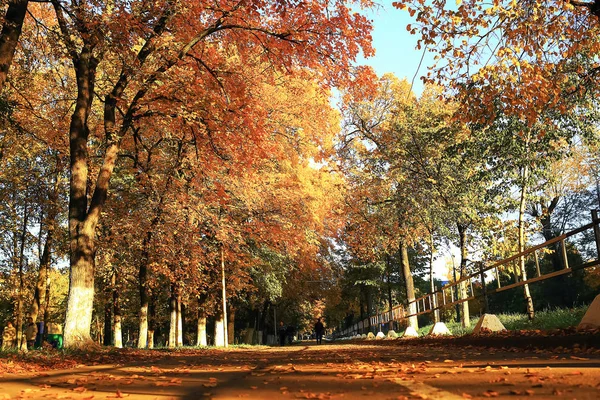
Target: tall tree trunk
[
  {"x": 23, "y": 239},
  {"x": 462, "y": 287},
  {"x": 144, "y": 301},
  {"x": 436, "y": 313},
  {"x": 219, "y": 330},
  {"x": 224, "y": 297},
  {"x": 201, "y": 316},
  {"x": 173, "y": 320},
  {"x": 117, "y": 333},
  {"x": 9, "y": 37},
  {"x": 82, "y": 223},
  {"x": 107, "y": 323},
  {"x": 389, "y": 291},
  {"x": 47, "y": 302},
  {"x": 151, "y": 320},
  {"x": 179, "y": 322},
  {"x": 201, "y": 338},
  {"x": 522, "y": 203},
  {"x": 230, "y": 325},
  {"x": 410, "y": 287},
  {"x": 39, "y": 303}
]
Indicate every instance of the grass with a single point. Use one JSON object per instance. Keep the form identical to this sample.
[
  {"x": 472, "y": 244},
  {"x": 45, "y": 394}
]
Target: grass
[{"x": 559, "y": 318}]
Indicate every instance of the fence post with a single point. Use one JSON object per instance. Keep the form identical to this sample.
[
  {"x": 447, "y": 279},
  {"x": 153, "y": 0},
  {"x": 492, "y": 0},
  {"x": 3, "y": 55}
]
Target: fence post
[
  {"x": 596, "y": 230},
  {"x": 564, "y": 254},
  {"x": 486, "y": 307}
]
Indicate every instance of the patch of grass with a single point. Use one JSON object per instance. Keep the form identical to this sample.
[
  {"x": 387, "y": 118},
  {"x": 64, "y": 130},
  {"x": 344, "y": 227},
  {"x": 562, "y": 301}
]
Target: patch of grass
[{"x": 559, "y": 318}]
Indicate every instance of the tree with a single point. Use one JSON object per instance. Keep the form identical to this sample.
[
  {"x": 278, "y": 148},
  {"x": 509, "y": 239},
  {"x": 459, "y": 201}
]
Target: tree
[
  {"x": 316, "y": 37},
  {"x": 10, "y": 34},
  {"x": 533, "y": 56}
]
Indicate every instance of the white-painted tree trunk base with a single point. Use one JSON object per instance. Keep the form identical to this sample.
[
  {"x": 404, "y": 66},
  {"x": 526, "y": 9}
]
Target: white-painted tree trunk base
[
  {"x": 118, "y": 335},
  {"x": 201, "y": 339},
  {"x": 173, "y": 328},
  {"x": 78, "y": 320},
  {"x": 179, "y": 326},
  {"x": 488, "y": 322},
  {"x": 219, "y": 333},
  {"x": 143, "y": 335}
]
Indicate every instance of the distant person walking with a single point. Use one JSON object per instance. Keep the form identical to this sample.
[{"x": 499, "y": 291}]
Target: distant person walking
[
  {"x": 282, "y": 333},
  {"x": 319, "y": 330},
  {"x": 30, "y": 333}
]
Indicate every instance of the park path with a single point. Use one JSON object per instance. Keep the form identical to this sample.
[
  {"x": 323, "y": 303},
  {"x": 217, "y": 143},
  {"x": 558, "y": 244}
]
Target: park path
[{"x": 389, "y": 370}]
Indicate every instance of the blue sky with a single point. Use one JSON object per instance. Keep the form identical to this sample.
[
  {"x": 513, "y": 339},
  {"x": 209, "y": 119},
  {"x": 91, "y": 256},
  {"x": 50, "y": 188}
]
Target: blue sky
[{"x": 395, "y": 48}]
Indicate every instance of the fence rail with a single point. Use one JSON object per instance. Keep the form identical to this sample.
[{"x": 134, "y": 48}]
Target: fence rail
[{"x": 449, "y": 294}]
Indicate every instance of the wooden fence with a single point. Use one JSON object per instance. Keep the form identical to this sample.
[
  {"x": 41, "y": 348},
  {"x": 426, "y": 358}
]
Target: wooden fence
[{"x": 449, "y": 295}]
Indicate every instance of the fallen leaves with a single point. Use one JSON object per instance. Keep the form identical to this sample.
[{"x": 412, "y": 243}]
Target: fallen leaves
[{"x": 579, "y": 358}]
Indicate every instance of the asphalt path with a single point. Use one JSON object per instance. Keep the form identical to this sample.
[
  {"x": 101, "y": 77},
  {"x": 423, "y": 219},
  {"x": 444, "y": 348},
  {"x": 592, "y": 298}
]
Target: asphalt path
[{"x": 409, "y": 369}]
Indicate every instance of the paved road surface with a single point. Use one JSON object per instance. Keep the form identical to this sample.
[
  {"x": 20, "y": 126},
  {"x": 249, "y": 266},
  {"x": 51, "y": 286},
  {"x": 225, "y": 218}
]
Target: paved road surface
[{"x": 390, "y": 370}]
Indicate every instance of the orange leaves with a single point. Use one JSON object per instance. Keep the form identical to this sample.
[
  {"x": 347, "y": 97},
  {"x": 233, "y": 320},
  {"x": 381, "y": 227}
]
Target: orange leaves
[{"x": 509, "y": 37}]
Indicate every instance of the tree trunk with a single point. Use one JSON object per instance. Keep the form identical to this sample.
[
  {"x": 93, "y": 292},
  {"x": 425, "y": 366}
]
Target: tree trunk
[
  {"x": 219, "y": 330},
  {"x": 389, "y": 292},
  {"x": 201, "y": 338},
  {"x": 179, "y": 322},
  {"x": 22, "y": 238},
  {"x": 151, "y": 321},
  {"x": 230, "y": 326},
  {"x": 39, "y": 305},
  {"x": 150, "y": 339},
  {"x": 201, "y": 321},
  {"x": 522, "y": 203},
  {"x": 82, "y": 224},
  {"x": 144, "y": 300},
  {"x": 410, "y": 287},
  {"x": 47, "y": 302},
  {"x": 118, "y": 334},
  {"x": 173, "y": 320},
  {"x": 436, "y": 313},
  {"x": 462, "y": 287},
  {"x": 224, "y": 298},
  {"x": 9, "y": 37},
  {"x": 108, "y": 324}
]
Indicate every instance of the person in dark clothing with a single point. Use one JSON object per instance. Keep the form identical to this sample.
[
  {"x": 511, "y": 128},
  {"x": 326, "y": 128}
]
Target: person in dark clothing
[
  {"x": 282, "y": 333},
  {"x": 319, "y": 329}
]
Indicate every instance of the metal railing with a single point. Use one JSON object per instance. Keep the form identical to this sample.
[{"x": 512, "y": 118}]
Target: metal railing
[{"x": 449, "y": 294}]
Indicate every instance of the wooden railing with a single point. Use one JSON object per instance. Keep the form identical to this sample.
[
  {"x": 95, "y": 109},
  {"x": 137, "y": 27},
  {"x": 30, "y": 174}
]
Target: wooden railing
[{"x": 449, "y": 295}]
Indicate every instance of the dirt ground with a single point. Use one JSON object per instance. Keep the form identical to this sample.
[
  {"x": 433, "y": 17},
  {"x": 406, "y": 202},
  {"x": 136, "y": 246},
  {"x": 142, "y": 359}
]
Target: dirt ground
[{"x": 400, "y": 369}]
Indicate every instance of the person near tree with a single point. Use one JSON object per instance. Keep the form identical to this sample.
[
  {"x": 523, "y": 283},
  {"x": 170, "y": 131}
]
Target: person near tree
[
  {"x": 9, "y": 336},
  {"x": 319, "y": 329},
  {"x": 30, "y": 333},
  {"x": 282, "y": 333}
]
